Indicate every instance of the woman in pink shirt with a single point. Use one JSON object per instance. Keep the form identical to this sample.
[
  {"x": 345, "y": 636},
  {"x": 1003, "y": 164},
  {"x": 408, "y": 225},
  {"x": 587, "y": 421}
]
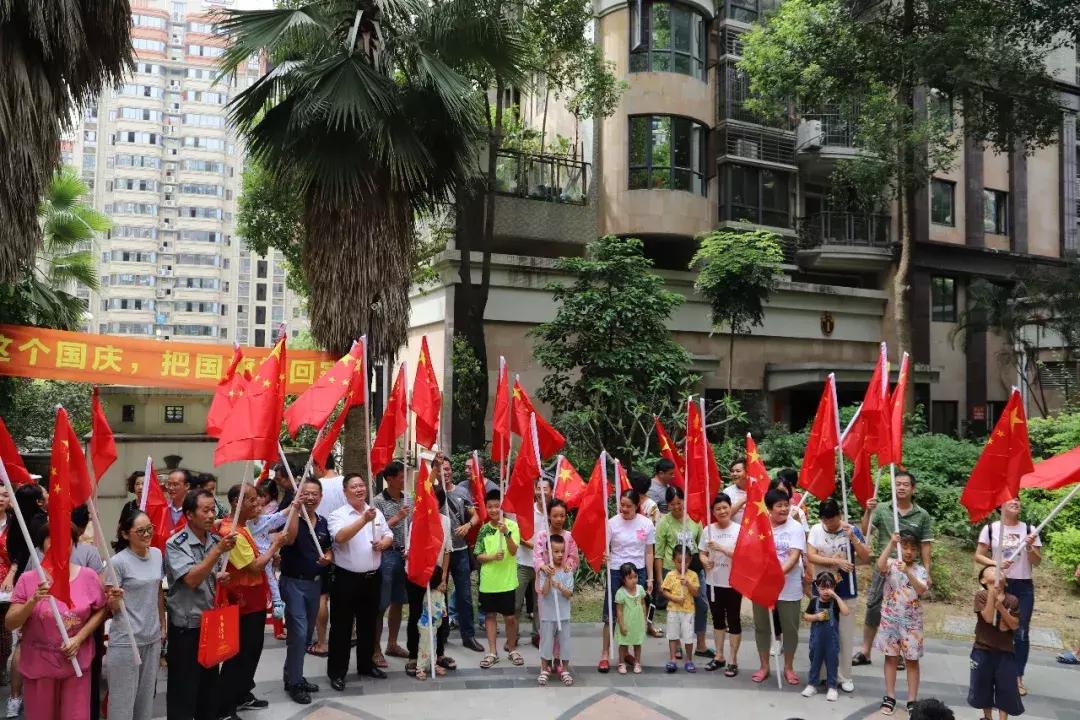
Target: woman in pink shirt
[{"x": 50, "y": 689}]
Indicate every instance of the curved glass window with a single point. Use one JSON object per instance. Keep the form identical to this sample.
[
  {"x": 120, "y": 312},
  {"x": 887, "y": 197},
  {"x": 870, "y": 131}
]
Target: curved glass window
[
  {"x": 667, "y": 37},
  {"x": 667, "y": 153}
]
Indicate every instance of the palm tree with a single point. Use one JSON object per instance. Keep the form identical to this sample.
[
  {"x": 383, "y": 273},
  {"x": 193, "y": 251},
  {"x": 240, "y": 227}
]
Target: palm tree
[
  {"x": 53, "y": 57},
  {"x": 369, "y": 114},
  {"x": 68, "y": 225}
]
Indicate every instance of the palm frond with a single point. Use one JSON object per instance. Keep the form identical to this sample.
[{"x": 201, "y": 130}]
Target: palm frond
[
  {"x": 251, "y": 32},
  {"x": 73, "y": 267}
]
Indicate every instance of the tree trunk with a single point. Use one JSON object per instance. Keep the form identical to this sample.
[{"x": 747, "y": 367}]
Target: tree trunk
[
  {"x": 906, "y": 211},
  {"x": 354, "y": 453},
  {"x": 730, "y": 357},
  {"x": 543, "y": 123}
]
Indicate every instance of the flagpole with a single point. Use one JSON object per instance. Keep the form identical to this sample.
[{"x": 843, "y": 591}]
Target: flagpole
[
  {"x": 607, "y": 554},
  {"x": 1047, "y": 519},
  {"x": 772, "y": 627},
  {"x": 704, "y": 470},
  {"x": 367, "y": 418},
  {"x": 843, "y": 479},
  {"x": 296, "y": 489},
  {"x": 895, "y": 510},
  {"x": 431, "y": 630},
  {"x": 147, "y": 477},
  {"x": 409, "y": 474},
  {"x": 240, "y": 503},
  {"x": 36, "y": 563},
  {"x": 543, "y": 504}
]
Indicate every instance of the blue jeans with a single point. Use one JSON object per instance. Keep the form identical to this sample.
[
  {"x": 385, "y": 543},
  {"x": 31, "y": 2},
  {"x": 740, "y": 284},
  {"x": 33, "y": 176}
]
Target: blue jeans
[
  {"x": 824, "y": 649},
  {"x": 301, "y": 598},
  {"x": 461, "y": 572},
  {"x": 392, "y": 576},
  {"x": 1024, "y": 590}
]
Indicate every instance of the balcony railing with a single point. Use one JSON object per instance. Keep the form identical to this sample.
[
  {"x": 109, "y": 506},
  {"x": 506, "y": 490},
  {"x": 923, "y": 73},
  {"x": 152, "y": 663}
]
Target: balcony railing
[
  {"x": 542, "y": 177},
  {"x": 845, "y": 228},
  {"x": 837, "y": 129}
]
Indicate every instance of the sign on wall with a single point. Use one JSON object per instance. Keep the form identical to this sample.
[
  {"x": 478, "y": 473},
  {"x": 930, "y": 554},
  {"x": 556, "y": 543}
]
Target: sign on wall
[{"x": 111, "y": 360}]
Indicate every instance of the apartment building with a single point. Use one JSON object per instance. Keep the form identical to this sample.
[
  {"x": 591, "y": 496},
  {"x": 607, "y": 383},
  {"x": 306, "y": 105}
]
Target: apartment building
[
  {"x": 681, "y": 155},
  {"x": 164, "y": 164}
]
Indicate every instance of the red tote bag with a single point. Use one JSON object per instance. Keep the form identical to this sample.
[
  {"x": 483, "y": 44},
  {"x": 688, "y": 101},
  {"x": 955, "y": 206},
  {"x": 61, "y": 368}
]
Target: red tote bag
[{"x": 219, "y": 634}]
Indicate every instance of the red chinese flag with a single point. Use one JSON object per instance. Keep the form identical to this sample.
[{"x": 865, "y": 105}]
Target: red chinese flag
[
  {"x": 521, "y": 490},
  {"x": 229, "y": 389},
  {"x": 393, "y": 425},
  {"x": 569, "y": 487},
  {"x": 862, "y": 477},
  {"x": 13, "y": 463},
  {"x": 1005, "y": 458},
  {"x": 317, "y": 403},
  {"x": 896, "y": 416},
  {"x": 755, "y": 568},
  {"x": 476, "y": 486},
  {"x": 818, "y": 473},
  {"x": 69, "y": 487},
  {"x": 102, "y": 444},
  {"x": 623, "y": 478},
  {"x": 253, "y": 426},
  {"x": 669, "y": 450},
  {"x": 426, "y": 399},
  {"x": 354, "y": 397},
  {"x": 698, "y": 465},
  {"x": 426, "y": 536},
  {"x": 870, "y": 433},
  {"x": 500, "y": 421},
  {"x": 156, "y": 508},
  {"x": 550, "y": 440},
  {"x": 590, "y": 525}
]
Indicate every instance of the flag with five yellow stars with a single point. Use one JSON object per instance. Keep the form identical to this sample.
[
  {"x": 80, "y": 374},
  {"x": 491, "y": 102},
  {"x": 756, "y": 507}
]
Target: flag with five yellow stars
[
  {"x": 317, "y": 403},
  {"x": 669, "y": 450},
  {"x": 426, "y": 399},
  {"x": 69, "y": 487},
  {"x": 755, "y": 567},
  {"x": 569, "y": 486},
  {"x": 426, "y": 535},
  {"x": 229, "y": 389},
  {"x": 252, "y": 427},
  {"x": 550, "y": 440},
  {"x": 1005, "y": 458}
]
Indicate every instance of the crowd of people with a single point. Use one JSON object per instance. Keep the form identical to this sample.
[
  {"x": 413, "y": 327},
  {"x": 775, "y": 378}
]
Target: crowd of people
[{"x": 330, "y": 561}]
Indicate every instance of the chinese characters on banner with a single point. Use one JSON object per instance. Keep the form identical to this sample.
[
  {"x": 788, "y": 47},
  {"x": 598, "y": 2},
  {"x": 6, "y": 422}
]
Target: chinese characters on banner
[{"x": 111, "y": 360}]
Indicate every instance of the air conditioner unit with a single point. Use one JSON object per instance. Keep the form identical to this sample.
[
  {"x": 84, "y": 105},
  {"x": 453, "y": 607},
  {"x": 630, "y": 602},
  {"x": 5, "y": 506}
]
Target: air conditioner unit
[
  {"x": 747, "y": 148},
  {"x": 809, "y": 136}
]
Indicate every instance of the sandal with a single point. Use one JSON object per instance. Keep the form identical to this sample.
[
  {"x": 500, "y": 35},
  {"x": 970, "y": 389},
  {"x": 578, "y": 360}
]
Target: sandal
[
  {"x": 440, "y": 671},
  {"x": 542, "y": 678},
  {"x": 622, "y": 668},
  {"x": 637, "y": 668},
  {"x": 792, "y": 678},
  {"x": 410, "y": 668},
  {"x": 420, "y": 674},
  {"x": 888, "y": 705},
  {"x": 1068, "y": 658},
  {"x": 731, "y": 670},
  {"x": 396, "y": 651},
  {"x": 446, "y": 662},
  {"x": 656, "y": 632},
  {"x": 488, "y": 661},
  {"x": 603, "y": 666},
  {"x": 380, "y": 662},
  {"x": 515, "y": 658},
  {"x": 760, "y": 676},
  {"x": 859, "y": 658},
  {"x": 910, "y": 706},
  {"x": 671, "y": 667},
  {"x": 567, "y": 678},
  {"x": 715, "y": 664},
  {"x": 1022, "y": 688},
  {"x": 317, "y": 653}
]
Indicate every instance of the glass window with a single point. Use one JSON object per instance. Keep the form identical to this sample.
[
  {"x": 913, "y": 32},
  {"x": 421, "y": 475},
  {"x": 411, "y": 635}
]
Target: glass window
[
  {"x": 943, "y": 299},
  {"x": 941, "y": 108},
  {"x": 757, "y": 195},
  {"x": 667, "y": 37},
  {"x": 996, "y": 212},
  {"x": 944, "y": 417},
  {"x": 127, "y": 413},
  {"x": 942, "y": 202},
  {"x": 667, "y": 153},
  {"x": 174, "y": 413}
]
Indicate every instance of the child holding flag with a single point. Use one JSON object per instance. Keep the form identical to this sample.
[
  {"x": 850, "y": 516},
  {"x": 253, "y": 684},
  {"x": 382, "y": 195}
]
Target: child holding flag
[
  {"x": 436, "y": 600},
  {"x": 555, "y": 584},
  {"x": 823, "y": 613},
  {"x": 901, "y": 631},
  {"x": 681, "y": 588},
  {"x": 496, "y": 547}
]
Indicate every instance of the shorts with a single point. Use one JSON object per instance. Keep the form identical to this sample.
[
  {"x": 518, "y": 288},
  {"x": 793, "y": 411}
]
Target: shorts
[
  {"x": 993, "y": 681},
  {"x": 895, "y": 640},
  {"x": 498, "y": 603},
  {"x": 680, "y": 626},
  {"x": 615, "y": 579},
  {"x": 726, "y": 604},
  {"x": 549, "y": 634},
  {"x": 874, "y": 595},
  {"x": 392, "y": 571}
]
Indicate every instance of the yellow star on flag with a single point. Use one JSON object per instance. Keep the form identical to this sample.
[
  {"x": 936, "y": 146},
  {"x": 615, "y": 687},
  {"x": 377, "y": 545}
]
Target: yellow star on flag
[
  {"x": 565, "y": 474},
  {"x": 760, "y": 505},
  {"x": 1015, "y": 419},
  {"x": 754, "y": 457}
]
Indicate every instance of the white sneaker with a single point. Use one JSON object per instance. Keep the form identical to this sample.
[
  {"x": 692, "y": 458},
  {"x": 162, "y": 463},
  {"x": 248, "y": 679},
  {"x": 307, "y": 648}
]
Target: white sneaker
[
  {"x": 809, "y": 691},
  {"x": 832, "y": 695},
  {"x": 777, "y": 646},
  {"x": 847, "y": 686},
  {"x": 14, "y": 707}
]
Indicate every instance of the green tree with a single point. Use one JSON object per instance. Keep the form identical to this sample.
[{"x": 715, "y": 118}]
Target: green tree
[
  {"x": 55, "y": 57},
  {"x": 270, "y": 215},
  {"x": 33, "y": 404},
  {"x": 610, "y": 358},
  {"x": 737, "y": 271},
  {"x": 882, "y": 64},
  {"x": 43, "y": 295}
]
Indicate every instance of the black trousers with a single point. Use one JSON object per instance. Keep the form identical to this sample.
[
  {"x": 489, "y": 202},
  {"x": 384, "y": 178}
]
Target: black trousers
[
  {"x": 95, "y": 673},
  {"x": 192, "y": 690},
  {"x": 354, "y": 599},
  {"x": 238, "y": 672},
  {"x": 412, "y": 630}
]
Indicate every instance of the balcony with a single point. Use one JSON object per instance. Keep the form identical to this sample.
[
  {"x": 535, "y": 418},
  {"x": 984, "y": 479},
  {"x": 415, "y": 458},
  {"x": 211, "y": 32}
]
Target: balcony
[
  {"x": 823, "y": 139},
  {"x": 845, "y": 241},
  {"x": 542, "y": 198}
]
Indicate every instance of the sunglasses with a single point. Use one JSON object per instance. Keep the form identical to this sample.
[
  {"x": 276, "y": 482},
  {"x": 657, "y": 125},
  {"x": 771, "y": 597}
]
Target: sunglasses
[{"x": 147, "y": 531}]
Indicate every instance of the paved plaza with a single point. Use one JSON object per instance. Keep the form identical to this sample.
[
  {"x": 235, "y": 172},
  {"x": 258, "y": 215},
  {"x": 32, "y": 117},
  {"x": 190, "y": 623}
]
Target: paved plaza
[{"x": 510, "y": 693}]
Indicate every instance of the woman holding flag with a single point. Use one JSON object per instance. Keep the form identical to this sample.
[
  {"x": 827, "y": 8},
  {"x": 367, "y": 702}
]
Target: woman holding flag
[{"x": 631, "y": 540}]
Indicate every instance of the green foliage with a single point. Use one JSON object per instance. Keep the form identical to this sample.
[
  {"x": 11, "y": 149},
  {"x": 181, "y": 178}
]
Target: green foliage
[
  {"x": 1053, "y": 435},
  {"x": 1037, "y": 505},
  {"x": 610, "y": 358},
  {"x": 270, "y": 214},
  {"x": 737, "y": 271},
  {"x": 32, "y": 414},
  {"x": 468, "y": 375},
  {"x": 1065, "y": 549}
]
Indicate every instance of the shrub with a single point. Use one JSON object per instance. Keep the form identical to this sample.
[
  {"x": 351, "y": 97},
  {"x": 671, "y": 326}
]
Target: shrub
[
  {"x": 1065, "y": 549},
  {"x": 1053, "y": 435}
]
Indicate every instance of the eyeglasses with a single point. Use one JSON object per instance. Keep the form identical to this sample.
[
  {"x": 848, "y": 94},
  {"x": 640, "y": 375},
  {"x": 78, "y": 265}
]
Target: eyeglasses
[{"x": 147, "y": 531}]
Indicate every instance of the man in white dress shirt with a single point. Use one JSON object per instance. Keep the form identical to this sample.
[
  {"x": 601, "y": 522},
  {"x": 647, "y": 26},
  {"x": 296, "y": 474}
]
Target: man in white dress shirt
[{"x": 360, "y": 535}]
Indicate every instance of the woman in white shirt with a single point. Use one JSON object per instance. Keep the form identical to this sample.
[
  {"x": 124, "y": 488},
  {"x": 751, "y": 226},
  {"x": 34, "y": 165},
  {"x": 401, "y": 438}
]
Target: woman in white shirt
[
  {"x": 630, "y": 540},
  {"x": 718, "y": 542}
]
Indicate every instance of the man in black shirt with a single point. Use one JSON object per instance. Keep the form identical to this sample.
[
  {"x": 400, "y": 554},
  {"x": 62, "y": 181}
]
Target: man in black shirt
[{"x": 303, "y": 565}]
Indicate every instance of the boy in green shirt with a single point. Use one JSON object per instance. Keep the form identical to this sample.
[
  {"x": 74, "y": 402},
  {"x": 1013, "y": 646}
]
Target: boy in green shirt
[{"x": 496, "y": 546}]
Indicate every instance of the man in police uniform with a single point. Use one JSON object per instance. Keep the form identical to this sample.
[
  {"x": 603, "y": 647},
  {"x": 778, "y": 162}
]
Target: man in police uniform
[{"x": 191, "y": 559}]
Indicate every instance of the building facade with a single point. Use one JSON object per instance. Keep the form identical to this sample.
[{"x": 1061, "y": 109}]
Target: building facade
[
  {"x": 163, "y": 162},
  {"x": 681, "y": 156}
]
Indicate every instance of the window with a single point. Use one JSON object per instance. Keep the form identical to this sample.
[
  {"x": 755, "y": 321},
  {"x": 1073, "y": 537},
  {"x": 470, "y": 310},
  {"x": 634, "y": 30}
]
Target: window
[
  {"x": 944, "y": 417},
  {"x": 996, "y": 212},
  {"x": 943, "y": 299},
  {"x": 941, "y": 108},
  {"x": 260, "y": 269},
  {"x": 206, "y": 236},
  {"x": 667, "y": 37},
  {"x": 148, "y": 21},
  {"x": 260, "y": 314},
  {"x": 145, "y": 44},
  {"x": 260, "y": 291},
  {"x": 667, "y": 153},
  {"x": 203, "y": 213},
  {"x": 260, "y": 338},
  {"x": 203, "y": 120},
  {"x": 200, "y": 27},
  {"x": 127, "y": 413},
  {"x": 205, "y": 51},
  {"x": 204, "y": 143},
  {"x": 202, "y": 166},
  {"x": 942, "y": 202},
  {"x": 174, "y": 413},
  {"x": 756, "y": 195},
  {"x": 131, "y": 113}
]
